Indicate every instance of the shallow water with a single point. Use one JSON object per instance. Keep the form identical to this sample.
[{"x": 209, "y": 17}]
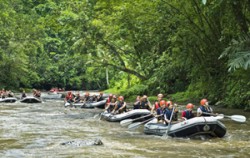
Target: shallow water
[{"x": 37, "y": 130}]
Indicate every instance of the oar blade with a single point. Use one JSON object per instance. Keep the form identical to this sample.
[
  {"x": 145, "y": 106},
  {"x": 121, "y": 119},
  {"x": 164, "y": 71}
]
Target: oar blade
[
  {"x": 238, "y": 118},
  {"x": 126, "y": 122},
  {"x": 219, "y": 117},
  {"x": 134, "y": 125},
  {"x": 67, "y": 104}
]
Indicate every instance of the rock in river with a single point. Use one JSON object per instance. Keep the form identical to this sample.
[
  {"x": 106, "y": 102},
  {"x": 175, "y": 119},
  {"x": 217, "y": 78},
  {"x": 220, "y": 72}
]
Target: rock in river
[{"x": 81, "y": 143}]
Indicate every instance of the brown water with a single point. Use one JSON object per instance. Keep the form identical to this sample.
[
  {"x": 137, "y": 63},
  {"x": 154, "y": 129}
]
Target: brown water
[{"x": 36, "y": 130}]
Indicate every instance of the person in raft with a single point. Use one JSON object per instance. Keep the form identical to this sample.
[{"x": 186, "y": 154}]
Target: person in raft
[
  {"x": 86, "y": 98},
  {"x": 168, "y": 113},
  {"x": 23, "y": 95},
  {"x": 69, "y": 97},
  {"x": 100, "y": 97},
  {"x": 160, "y": 111},
  {"x": 120, "y": 106},
  {"x": 188, "y": 114},
  {"x": 77, "y": 98},
  {"x": 36, "y": 93},
  {"x": 157, "y": 103},
  {"x": 169, "y": 104},
  {"x": 145, "y": 104},
  {"x": 111, "y": 105},
  {"x": 204, "y": 108},
  {"x": 137, "y": 102},
  {"x": 108, "y": 100}
]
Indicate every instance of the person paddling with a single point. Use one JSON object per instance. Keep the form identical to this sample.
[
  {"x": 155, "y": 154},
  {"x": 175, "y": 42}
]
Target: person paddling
[
  {"x": 204, "y": 108},
  {"x": 120, "y": 106},
  {"x": 111, "y": 105},
  {"x": 86, "y": 98},
  {"x": 188, "y": 114},
  {"x": 168, "y": 113},
  {"x": 77, "y": 98}
]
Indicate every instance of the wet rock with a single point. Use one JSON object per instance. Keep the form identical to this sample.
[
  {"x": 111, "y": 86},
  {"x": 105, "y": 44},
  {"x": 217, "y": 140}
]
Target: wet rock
[{"x": 82, "y": 143}]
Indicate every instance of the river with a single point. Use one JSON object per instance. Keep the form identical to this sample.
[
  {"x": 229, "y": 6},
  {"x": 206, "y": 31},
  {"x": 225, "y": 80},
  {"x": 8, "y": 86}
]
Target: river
[{"x": 37, "y": 130}]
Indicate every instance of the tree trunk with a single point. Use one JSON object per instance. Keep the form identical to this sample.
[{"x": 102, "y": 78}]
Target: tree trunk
[{"x": 107, "y": 77}]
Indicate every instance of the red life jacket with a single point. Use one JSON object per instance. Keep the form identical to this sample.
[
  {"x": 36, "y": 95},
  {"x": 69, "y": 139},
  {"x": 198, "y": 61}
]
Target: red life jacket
[
  {"x": 108, "y": 101},
  {"x": 157, "y": 105},
  {"x": 69, "y": 97}
]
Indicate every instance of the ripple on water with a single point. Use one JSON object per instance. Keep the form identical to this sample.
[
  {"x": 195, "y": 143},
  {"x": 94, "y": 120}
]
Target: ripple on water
[{"x": 36, "y": 130}]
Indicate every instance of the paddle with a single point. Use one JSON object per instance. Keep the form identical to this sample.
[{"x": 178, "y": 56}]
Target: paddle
[
  {"x": 237, "y": 118},
  {"x": 129, "y": 121},
  {"x": 137, "y": 124},
  {"x": 169, "y": 124},
  {"x": 67, "y": 104}
]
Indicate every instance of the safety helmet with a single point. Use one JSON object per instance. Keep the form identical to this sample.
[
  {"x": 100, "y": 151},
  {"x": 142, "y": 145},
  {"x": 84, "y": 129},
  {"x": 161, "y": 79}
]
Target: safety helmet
[
  {"x": 162, "y": 102},
  {"x": 190, "y": 106},
  {"x": 110, "y": 95},
  {"x": 144, "y": 96},
  {"x": 160, "y": 95},
  {"x": 114, "y": 96},
  {"x": 121, "y": 98},
  {"x": 169, "y": 103},
  {"x": 203, "y": 102}
]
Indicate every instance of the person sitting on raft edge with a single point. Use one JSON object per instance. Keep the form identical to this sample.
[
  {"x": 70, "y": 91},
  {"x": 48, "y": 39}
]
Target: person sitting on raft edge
[
  {"x": 204, "y": 109},
  {"x": 157, "y": 103},
  {"x": 111, "y": 105},
  {"x": 120, "y": 106},
  {"x": 188, "y": 114}
]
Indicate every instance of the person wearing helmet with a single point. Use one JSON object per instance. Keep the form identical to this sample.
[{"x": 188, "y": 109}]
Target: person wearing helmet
[
  {"x": 145, "y": 104},
  {"x": 157, "y": 103},
  {"x": 111, "y": 105},
  {"x": 168, "y": 113},
  {"x": 188, "y": 114},
  {"x": 137, "y": 102},
  {"x": 120, "y": 106},
  {"x": 160, "y": 111},
  {"x": 204, "y": 108},
  {"x": 169, "y": 104}
]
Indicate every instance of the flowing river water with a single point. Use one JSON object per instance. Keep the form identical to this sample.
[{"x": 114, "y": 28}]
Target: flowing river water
[{"x": 37, "y": 130}]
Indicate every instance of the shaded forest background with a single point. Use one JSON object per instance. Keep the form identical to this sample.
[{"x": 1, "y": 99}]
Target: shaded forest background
[{"x": 186, "y": 50}]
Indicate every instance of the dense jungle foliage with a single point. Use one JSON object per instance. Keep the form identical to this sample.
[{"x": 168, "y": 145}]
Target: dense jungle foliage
[{"x": 186, "y": 49}]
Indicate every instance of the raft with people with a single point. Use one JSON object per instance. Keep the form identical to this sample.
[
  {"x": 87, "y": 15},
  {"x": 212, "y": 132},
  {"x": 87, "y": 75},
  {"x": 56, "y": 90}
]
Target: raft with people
[
  {"x": 99, "y": 104},
  {"x": 8, "y": 100},
  {"x": 166, "y": 121},
  {"x": 30, "y": 99},
  {"x": 205, "y": 126},
  {"x": 132, "y": 114},
  {"x": 85, "y": 101}
]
